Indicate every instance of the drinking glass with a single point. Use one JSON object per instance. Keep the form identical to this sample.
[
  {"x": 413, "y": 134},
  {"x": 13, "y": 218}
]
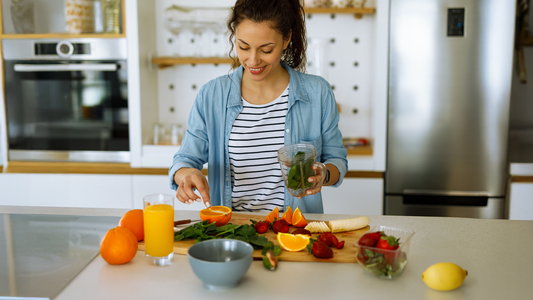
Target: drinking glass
[
  {"x": 159, "y": 228},
  {"x": 296, "y": 162}
]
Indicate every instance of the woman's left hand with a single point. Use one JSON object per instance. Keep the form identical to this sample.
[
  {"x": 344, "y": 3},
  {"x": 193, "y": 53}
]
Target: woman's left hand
[{"x": 319, "y": 178}]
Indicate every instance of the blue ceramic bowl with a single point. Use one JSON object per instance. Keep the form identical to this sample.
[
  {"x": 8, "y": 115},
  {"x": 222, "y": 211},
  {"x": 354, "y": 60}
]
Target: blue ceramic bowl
[{"x": 220, "y": 263}]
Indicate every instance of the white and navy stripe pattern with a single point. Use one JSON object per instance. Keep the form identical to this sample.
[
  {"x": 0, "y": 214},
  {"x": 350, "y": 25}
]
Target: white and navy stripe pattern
[{"x": 256, "y": 136}]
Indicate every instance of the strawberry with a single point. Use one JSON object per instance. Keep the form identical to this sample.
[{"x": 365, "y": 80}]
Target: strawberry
[
  {"x": 392, "y": 257},
  {"x": 326, "y": 238},
  {"x": 281, "y": 226},
  {"x": 361, "y": 255},
  {"x": 321, "y": 250},
  {"x": 335, "y": 241},
  {"x": 370, "y": 239},
  {"x": 302, "y": 231},
  {"x": 340, "y": 245},
  {"x": 387, "y": 243},
  {"x": 330, "y": 239},
  {"x": 261, "y": 227}
]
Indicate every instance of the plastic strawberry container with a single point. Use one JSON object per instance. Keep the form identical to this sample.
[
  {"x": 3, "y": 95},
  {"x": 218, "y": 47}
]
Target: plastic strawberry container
[{"x": 385, "y": 263}]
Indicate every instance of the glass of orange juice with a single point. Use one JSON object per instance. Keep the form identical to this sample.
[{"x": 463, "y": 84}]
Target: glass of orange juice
[{"x": 159, "y": 228}]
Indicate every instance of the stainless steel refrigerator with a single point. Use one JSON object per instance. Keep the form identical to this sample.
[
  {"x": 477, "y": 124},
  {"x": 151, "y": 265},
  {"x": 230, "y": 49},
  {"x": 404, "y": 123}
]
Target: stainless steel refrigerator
[{"x": 450, "y": 72}]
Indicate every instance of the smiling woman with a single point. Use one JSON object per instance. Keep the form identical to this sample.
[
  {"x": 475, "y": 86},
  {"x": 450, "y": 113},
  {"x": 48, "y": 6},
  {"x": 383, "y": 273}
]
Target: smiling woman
[{"x": 239, "y": 121}]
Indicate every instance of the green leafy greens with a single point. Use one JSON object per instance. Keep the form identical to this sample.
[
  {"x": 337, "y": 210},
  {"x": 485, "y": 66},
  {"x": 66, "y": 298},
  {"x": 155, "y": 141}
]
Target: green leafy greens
[
  {"x": 270, "y": 256},
  {"x": 300, "y": 172},
  {"x": 202, "y": 231}
]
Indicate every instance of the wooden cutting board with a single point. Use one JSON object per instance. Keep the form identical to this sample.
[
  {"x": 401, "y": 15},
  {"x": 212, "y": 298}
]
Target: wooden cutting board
[{"x": 344, "y": 255}]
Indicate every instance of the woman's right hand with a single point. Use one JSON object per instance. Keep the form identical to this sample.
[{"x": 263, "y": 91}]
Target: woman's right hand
[{"x": 189, "y": 179}]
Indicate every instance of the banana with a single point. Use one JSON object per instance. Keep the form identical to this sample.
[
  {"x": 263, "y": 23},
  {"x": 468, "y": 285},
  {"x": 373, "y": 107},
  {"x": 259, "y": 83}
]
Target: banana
[
  {"x": 338, "y": 225},
  {"x": 317, "y": 227},
  {"x": 348, "y": 224}
]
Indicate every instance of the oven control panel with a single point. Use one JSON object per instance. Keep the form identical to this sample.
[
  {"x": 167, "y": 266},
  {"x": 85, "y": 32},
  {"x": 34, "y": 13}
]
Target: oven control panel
[{"x": 63, "y": 48}]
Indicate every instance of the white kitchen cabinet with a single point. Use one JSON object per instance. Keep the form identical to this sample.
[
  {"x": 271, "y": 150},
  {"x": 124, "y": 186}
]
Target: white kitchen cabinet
[
  {"x": 362, "y": 196},
  {"x": 521, "y": 201},
  {"x": 66, "y": 190},
  {"x": 157, "y": 184},
  {"x": 359, "y": 196}
]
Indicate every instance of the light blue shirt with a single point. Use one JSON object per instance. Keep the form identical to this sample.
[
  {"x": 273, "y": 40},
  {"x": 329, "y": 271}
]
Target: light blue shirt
[{"x": 312, "y": 118}]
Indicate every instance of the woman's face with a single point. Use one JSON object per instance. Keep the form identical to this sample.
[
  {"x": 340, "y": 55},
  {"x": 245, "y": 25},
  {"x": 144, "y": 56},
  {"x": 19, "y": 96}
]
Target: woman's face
[{"x": 259, "y": 49}]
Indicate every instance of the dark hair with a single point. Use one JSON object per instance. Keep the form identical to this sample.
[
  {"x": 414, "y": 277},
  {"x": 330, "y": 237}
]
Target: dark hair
[{"x": 286, "y": 17}]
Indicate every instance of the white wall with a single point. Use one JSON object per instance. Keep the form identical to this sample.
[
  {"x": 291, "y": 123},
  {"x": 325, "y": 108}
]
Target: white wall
[{"x": 361, "y": 88}]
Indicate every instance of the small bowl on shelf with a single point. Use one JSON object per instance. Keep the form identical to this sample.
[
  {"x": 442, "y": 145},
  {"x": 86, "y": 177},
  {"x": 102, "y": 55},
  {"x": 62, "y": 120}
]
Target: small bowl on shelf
[
  {"x": 383, "y": 263},
  {"x": 220, "y": 263}
]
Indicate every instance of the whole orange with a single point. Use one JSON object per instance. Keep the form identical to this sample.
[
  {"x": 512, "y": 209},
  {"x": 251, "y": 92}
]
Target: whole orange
[
  {"x": 134, "y": 221},
  {"x": 118, "y": 246}
]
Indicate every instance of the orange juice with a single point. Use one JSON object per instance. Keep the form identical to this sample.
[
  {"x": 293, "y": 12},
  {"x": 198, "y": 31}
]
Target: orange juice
[{"x": 159, "y": 229}]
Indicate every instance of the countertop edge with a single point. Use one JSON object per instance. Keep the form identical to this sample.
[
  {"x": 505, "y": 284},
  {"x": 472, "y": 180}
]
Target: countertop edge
[{"x": 30, "y": 167}]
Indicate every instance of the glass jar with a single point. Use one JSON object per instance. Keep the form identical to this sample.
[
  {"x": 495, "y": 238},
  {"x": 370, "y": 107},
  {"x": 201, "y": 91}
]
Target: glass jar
[{"x": 111, "y": 16}]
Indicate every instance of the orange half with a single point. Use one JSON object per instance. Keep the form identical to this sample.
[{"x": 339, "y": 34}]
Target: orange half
[
  {"x": 293, "y": 242},
  {"x": 220, "y": 215},
  {"x": 274, "y": 214},
  {"x": 298, "y": 219},
  {"x": 287, "y": 215}
]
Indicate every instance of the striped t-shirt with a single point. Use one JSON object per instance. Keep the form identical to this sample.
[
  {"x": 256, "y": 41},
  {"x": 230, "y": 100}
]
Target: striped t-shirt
[{"x": 256, "y": 136}]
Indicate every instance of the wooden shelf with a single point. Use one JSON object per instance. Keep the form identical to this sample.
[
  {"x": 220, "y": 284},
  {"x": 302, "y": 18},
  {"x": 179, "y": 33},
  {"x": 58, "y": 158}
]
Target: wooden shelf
[
  {"x": 521, "y": 179},
  {"x": 61, "y": 36},
  {"x": 358, "y": 12},
  {"x": 164, "y": 62},
  {"x": 360, "y": 150},
  {"x": 364, "y": 174}
]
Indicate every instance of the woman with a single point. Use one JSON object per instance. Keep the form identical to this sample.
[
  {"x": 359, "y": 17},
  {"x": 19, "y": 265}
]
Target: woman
[{"x": 239, "y": 121}]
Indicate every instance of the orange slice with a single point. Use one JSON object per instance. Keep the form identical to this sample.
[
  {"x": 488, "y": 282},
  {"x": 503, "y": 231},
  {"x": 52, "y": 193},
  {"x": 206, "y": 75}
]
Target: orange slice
[
  {"x": 220, "y": 215},
  {"x": 274, "y": 214},
  {"x": 287, "y": 215},
  {"x": 298, "y": 219},
  {"x": 293, "y": 242}
]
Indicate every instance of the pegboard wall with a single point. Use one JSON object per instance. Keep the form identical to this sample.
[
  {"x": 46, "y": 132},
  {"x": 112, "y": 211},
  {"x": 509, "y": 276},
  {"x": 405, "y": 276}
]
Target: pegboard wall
[{"x": 341, "y": 49}]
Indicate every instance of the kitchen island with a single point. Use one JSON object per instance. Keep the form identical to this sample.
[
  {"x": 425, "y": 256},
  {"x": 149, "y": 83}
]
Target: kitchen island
[{"x": 496, "y": 253}]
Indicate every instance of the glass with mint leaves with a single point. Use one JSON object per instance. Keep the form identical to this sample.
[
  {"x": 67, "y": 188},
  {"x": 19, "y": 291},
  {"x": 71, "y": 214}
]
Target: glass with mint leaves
[{"x": 296, "y": 163}]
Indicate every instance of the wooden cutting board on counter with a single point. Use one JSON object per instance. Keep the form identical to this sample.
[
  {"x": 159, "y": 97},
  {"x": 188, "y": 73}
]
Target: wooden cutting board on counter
[{"x": 344, "y": 255}]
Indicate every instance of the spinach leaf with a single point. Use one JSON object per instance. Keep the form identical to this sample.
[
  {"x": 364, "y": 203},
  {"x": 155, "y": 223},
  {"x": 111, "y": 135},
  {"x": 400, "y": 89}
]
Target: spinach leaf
[
  {"x": 202, "y": 231},
  {"x": 270, "y": 255},
  {"x": 299, "y": 173}
]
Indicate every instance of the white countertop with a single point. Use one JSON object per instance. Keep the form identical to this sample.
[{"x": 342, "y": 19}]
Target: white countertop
[{"x": 496, "y": 253}]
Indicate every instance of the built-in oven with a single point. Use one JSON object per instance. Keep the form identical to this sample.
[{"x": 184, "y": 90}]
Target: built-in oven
[{"x": 67, "y": 100}]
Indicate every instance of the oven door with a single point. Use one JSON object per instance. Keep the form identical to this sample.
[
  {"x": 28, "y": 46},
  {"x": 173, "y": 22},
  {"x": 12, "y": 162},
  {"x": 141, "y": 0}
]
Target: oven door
[{"x": 67, "y": 110}]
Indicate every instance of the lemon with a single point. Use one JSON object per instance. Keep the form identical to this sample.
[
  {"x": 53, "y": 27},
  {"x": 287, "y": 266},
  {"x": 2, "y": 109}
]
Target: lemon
[{"x": 444, "y": 276}]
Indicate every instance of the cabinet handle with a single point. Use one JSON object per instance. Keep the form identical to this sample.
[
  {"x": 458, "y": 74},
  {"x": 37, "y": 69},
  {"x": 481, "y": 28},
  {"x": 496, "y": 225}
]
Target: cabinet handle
[
  {"x": 445, "y": 193},
  {"x": 64, "y": 67}
]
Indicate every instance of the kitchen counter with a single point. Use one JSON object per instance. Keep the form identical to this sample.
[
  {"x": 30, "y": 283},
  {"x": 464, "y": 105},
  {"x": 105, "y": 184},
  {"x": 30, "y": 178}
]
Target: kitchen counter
[{"x": 496, "y": 253}]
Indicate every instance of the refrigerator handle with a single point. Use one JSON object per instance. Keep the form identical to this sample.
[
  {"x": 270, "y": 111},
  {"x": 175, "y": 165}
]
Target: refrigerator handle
[{"x": 445, "y": 193}]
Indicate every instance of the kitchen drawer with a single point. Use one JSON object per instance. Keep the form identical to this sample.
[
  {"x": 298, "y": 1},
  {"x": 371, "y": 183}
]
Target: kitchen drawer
[
  {"x": 359, "y": 196},
  {"x": 66, "y": 190},
  {"x": 521, "y": 201}
]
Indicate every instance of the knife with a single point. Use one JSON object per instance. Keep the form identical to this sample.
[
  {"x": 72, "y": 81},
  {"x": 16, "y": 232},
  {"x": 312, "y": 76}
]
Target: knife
[{"x": 182, "y": 222}]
